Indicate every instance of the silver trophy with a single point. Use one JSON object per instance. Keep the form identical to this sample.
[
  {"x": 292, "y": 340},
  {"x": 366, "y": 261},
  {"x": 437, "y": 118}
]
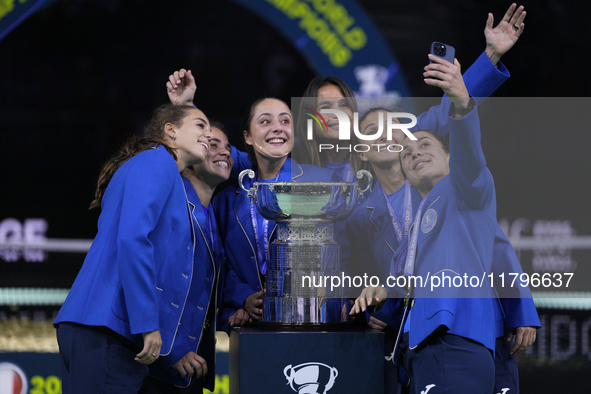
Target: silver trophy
[{"x": 304, "y": 252}]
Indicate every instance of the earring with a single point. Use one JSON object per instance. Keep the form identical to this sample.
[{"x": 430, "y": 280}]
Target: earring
[{"x": 174, "y": 136}]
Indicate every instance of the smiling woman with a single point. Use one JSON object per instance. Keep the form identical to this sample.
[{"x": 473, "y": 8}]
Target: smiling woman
[
  {"x": 325, "y": 92},
  {"x": 193, "y": 354},
  {"x": 192, "y": 142},
  {"x": 246, "y": 234},
  {"x": 453, "y": 234},
  {"x": 267, "y": 134},
  {"x": 124, "y": 308},
  {"x": 426, "y": 160},
  {"x": 216, "y": 167},
  {"x": 190, "y": 149}
]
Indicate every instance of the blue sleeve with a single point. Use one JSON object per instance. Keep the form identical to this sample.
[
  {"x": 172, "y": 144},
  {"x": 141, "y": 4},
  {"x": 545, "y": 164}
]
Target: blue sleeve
[
  {"x": 180, "y": 348},
  {"x": 470, "y": 177},
  {"x": 391, "y": 313},
  {"x": 359, "y": 238},
  {"x": 481, "y": 80},
  {"x": 520, "y": 312},
  {"x": 224, "y": 312},
  {"x": 340, "y": 236},
  {"x": 435, "y": 119},
  {"x": 235, "y": 291},
  {"x": 148, "y": 185},
  {"x": 505, "y": 261},
  {"x": 241, "y": 162},
  {"x": 351, "y": 240},
  {"x": 334, "y": 177},
  {"x": 517, "y": 303},
  {"x": 223, "y": 324}
]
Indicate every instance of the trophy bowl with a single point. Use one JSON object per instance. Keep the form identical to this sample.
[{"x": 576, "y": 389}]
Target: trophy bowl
[
  {"x": 304, "y": 250},
  {"x": 304, "y": 201}
]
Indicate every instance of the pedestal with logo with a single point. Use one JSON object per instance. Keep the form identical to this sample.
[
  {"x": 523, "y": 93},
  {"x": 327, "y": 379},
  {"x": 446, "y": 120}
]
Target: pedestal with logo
[
  {"x": 281, "y": 356},
  {"x": 263, "y": 361}
]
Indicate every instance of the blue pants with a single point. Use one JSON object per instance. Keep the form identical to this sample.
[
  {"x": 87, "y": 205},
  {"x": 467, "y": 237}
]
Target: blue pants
[
  {"x": 98, "y": 360},
  {"x": 392, "y": 371},
  {"x": 154, "y": 386},
  {"x": 449, "y": 364},
  {"x": 506, "y": 374}
]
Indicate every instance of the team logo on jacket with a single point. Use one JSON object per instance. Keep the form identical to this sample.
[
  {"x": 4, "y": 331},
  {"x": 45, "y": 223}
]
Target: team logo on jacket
[
  {"x": 429, "y": 220},
  {"x": 311, "y": 377}
]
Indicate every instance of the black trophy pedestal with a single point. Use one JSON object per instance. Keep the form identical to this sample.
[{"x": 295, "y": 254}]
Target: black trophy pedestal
[{"x": 263, "y": 361}]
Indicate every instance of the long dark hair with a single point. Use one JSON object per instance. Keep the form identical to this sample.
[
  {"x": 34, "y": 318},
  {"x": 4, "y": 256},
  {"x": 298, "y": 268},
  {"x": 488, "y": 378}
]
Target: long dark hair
[
  {"x": 153, "y": 136},
  {"x": 306, "y": 151}
]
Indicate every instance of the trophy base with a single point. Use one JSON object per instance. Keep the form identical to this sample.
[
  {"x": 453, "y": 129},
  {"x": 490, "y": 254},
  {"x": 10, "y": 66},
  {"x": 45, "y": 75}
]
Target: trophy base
[{"x": 297, "y": 327}]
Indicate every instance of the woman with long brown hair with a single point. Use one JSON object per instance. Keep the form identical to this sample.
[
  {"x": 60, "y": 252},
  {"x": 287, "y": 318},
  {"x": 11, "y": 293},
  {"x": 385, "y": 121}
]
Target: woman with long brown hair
[{"x": 124, "y": 307}]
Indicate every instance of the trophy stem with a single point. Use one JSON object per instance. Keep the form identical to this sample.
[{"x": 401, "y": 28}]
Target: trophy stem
[{"x": 302, "y": 256}]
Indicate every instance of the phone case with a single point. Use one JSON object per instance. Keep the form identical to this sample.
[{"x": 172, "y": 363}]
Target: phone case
[{"x": 443, "y": 51}]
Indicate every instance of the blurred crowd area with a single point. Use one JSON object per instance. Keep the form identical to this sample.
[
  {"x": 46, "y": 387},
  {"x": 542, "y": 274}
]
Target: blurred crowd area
[{"x": 26, "y": 334}]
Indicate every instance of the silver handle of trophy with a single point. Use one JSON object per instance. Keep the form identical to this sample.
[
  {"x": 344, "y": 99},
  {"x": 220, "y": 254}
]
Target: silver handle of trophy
[
  {"x": 249, "y": 192},
  {"x": 360, "y": 175}
]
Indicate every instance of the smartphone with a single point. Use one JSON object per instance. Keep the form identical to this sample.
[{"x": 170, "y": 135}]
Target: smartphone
[{"x": 443, "y": 51}]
